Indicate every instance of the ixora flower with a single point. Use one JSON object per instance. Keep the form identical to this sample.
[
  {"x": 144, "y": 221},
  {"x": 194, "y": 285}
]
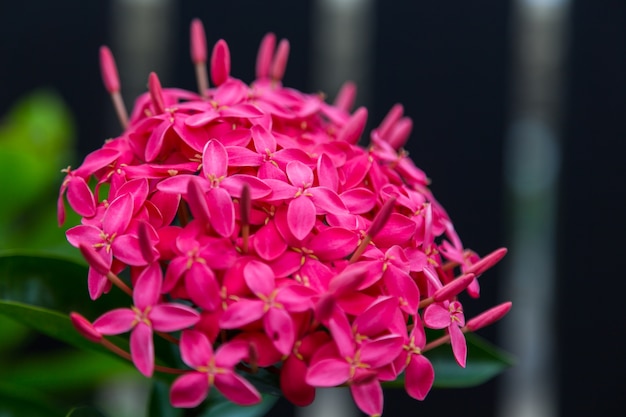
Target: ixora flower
[{"x": 250, "y": 230}]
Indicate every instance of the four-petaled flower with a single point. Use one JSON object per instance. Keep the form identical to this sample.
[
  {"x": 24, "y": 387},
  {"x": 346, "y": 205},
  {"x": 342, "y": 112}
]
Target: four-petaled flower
[
  {"x": 211, "y": 369},
  {"x": 147, "y": 315}
]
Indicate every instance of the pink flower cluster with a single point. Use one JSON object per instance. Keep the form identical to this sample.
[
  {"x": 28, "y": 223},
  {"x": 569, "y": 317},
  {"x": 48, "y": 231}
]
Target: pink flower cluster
[{"x": 252, "y": 231}]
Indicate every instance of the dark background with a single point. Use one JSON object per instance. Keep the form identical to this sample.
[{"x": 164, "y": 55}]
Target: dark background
[{"x": 449, "y": 64}]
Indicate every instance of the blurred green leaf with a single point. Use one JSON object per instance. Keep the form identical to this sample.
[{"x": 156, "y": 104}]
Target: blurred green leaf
[
  {"x": 159, "y": 405},
  {"x": 36, "y": 138},
  {"x": 54, "y": 283},
  {"x": 54, "y": 324},
  {"x": 19, "y": 401},
  {"x": 85, "y": 412},
  {"x": 218, "y": 406},
  {"x": 13, "y": 333},
  {"x": 484, "y": 361},
  {"x": 36, "y": 141},
  {"x": 65, "y": 370}
]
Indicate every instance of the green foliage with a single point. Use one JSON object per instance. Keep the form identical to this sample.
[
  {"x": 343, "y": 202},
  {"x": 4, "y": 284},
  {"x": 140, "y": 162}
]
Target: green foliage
[{"x": 36, "y": 141}]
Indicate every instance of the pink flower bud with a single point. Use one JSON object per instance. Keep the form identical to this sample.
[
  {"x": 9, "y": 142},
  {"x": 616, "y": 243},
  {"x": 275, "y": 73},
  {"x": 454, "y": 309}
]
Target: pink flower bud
[
  {"x": 245, "y": 205},
  {"x": 353, "y": 129},
  {"x": 156, "y": 93},
  {"x": 85, "y": 328},
  {"x": 487, "y": 262},
  {"x": 280, "y": 60},
  {"x": 381, "y": 217},
  {"x": 392, "y": 117},
  {"x": 346, "y": 96},
  {"x": 108, "y": 69},
  {"x": 489, "y": 317},
  {"x": 265, "y": 56},
  {"x": 198, "y": 42},
  {"x": 93, "y": 259},
  {"x": 400, "y": 133},
  {"x": 220, "y": 63},
  {"x": 453, "y": 288}
]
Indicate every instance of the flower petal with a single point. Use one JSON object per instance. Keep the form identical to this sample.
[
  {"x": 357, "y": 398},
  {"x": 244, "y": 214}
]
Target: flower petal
[
  {"x": 419, "y": 377},
  {"x": 301, "y": 217},
  {"x": 142, "y": 348},
  {"x": 237, "y": 389},
  {"x": 202, "y": 286},
  {"x": 259, "y": 277},
  {"x": 80, "y": 197},
  {"x": 459, "y": 346},
  {"x": 115, "y": 321},
  {"x": 299, "y": 174},
  {"x": 222, "y": 211},
  {"x": 172, "y": 317},
  {"x": 241, "y": 313},
  {"x": 436, "y": 316},
  {"x": 328, "y": 373},
  {"x": 148, "y": 286},
  {"x": 268, "y": 243},
  {"x": 195, "y": 349},
  {"x": 279, "y": 327},
  {"x": 214, "y": 159},
  {"x": 189, "y": 390},
  {"x": 118, "y": 215},
  {"x": 368, "y": 396},
  {"x": 293, "y": 384}
]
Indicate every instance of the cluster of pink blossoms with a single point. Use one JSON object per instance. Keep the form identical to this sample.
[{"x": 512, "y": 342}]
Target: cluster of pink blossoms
[{"x": 253, "y": 232}]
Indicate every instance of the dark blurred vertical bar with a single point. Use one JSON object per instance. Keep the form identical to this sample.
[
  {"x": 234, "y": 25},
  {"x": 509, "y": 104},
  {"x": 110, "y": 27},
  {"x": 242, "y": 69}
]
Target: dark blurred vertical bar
[
  {"x": 592, "y": 227},
  {"x": 532, "y": 164}
]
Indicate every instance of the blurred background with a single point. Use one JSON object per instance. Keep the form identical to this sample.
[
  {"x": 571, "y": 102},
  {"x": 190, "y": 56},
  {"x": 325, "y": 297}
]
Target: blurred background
[{"x": 518, "y": 108}]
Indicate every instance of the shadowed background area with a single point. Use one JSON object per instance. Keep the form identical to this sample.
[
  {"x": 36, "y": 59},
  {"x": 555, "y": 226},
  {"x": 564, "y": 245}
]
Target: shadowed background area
[{"x": 456, "y": 67}]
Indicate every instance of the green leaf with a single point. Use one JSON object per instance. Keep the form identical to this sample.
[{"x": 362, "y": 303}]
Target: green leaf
[
  {"x": 84, "y": 412},
  {"x": 64, "y": 370},
  {"x": 18, "y": 401},
  {"x": 52, "y": 282},
  {"x": 13, "y": 333},
  {"x": 159, "y": 405},
  {"x": 53, "y": 324},
  {"x": 484, "y": 361},
  {"x": 218, "y": 406}
]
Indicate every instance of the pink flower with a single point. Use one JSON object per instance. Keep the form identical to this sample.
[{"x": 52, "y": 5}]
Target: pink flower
[
  {"x": 145, "y": 316},
  {"x": 211, "y": 369},
  {"x": 274, "y": 305},
  {"x": 246, "y": 216},
  {"x": 449, "y": 315}
]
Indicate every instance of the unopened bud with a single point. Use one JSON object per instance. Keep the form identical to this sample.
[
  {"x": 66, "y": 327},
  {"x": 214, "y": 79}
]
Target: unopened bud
[
  {"x": 353, "y": 129},
  {"x": 220, "y": 62},
  {"x": 85, "y": 328},
  {"x": 156, "y": 93},
  {"x": 110, "y": 77},
  {"x": 94, "y": 259},
  {"x": 453, "y": 288},
  {"x": 381, "y": 217},
  {"x": 346, "y": 96},
  {"x": 280, "y": 60},
  {"x": 487, "y": 262},
  {"x": 265, "y": 56},
  {"x": 488, "y": 317},
  {"x": 394, "y": 114},
  {"x": 198, "y": 42}
]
